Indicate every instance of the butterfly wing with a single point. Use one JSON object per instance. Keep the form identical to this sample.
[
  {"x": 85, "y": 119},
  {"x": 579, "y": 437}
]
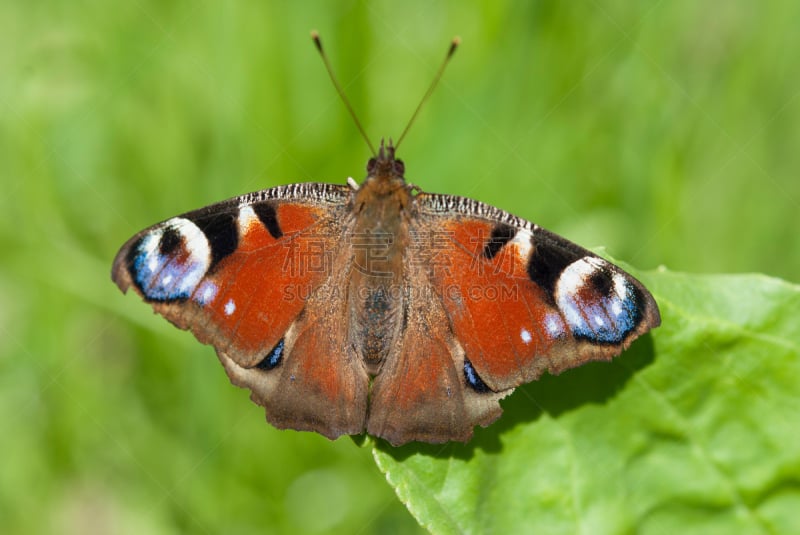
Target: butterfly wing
[
  {"x": 252, "y": 276},
  {"x": 506, "y": 301}
]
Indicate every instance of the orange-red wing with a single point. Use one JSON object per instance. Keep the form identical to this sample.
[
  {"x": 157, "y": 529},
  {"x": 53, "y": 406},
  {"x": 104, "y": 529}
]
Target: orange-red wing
[
  {"x": 237, "y": 273},
  {"x": 521, "y": 300}
]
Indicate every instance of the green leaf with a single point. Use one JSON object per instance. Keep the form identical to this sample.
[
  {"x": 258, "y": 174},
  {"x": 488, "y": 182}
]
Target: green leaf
[{"x": 696, "y": 427}]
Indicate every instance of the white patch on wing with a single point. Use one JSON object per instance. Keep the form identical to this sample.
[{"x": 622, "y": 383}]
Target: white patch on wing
[
  {"x": 523, "y": 241},
  {"x": 206, "y": 292},
  {"x": 577, "y": 273},
  {"x": 196, "y": 243},
  {"x": 149, "y": 248},
  {"x": 620, "y": 286},
  {"x": 554, "y": 325},
  {"x": 247, "y": 217},
  {"x": 194, "y": 239},
  {"x": 525, "y": 335},
  {"x": 571, "y": 313},
  {"x": 230, "y": 307}
]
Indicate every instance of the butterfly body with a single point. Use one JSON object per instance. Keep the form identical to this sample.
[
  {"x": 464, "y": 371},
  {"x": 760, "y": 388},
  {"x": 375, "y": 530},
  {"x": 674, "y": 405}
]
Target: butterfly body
[
  {"x": 380, "y": 308},
  {"x": 379, "y": 234}
]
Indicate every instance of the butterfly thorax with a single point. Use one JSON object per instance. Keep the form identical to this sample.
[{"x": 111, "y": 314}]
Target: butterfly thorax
[{"x": 379, "y": 240}]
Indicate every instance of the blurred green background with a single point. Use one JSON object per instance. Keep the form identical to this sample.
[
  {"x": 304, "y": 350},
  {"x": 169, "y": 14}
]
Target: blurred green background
[{"x": 665, "y": 131}]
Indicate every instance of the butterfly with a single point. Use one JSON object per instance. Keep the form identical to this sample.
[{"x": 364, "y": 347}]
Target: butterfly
[{"x": 381, "y": 308}]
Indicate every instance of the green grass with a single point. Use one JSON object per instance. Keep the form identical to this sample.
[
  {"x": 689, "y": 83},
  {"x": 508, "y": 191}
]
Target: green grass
[{"x": 665, "y": 131}]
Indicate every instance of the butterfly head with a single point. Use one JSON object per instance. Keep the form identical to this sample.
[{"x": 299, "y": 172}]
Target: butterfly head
[
  {"x": 385, "y": 179},
  {"x": 384, "y": 165}
]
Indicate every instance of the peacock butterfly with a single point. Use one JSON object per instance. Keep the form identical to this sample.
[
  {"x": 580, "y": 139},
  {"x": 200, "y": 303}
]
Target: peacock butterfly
[{"x": 379, "y": 307}]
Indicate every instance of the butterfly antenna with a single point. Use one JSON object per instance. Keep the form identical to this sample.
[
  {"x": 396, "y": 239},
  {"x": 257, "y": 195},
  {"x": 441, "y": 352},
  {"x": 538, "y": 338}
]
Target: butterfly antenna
[
  {"x": 318, "y": 42},
  {"x": 453, "y": 45}
]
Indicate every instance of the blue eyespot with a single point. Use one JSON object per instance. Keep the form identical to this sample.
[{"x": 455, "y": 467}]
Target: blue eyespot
[
  {"x": 169, "y": 262},
  {"x": 473, "y": 379},
  {"x": 273, "y": 358},
  {"x": 598, "y": 304}
]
